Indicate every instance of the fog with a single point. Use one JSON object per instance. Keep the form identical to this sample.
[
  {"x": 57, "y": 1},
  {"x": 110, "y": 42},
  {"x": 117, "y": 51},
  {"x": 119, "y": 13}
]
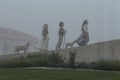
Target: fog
[{"x": 29, "y": 16}]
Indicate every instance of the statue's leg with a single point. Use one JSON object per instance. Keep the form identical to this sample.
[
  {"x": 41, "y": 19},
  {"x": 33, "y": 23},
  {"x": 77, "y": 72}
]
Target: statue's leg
[
  {"x": 79, "y": 40},
  {"x": 42, "y": 44},
  {"x": 86, "y": 41},
  {"x": 46, "y": 44},
  {"x": 59, "y": 43}
]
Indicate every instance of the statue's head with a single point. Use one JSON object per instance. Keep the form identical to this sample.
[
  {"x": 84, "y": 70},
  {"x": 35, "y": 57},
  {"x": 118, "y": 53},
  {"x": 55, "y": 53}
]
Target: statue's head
[
  {"x": 61, "y": 24},
  {"x": 45, "y": 26},
  {"x": 85, "y": 21}
]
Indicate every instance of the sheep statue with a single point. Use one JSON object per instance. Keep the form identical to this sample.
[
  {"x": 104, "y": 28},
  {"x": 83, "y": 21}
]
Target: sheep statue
[{"x": 22, "y": 48}]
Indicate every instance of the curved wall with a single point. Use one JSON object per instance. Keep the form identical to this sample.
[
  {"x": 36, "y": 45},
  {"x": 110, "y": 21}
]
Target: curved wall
[{"x": 10, "y": 38}]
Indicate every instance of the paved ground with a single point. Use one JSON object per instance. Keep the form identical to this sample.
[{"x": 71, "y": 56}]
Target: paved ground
[{"x": 71, "y": 69}]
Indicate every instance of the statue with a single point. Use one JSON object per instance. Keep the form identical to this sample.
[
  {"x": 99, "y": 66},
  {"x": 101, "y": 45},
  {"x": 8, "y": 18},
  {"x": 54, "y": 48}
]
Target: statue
[
  {"x": 45, "y": 39},
  {"x": 62, "y": 33},
  {"x": 22, "y": 48},
  {"x": 84, "y": 37}
]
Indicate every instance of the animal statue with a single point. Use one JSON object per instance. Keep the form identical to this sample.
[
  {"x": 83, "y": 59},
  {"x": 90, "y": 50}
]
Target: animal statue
[
  {"x": 22, "y": 48},
  {"x": 70, "y": 44}
]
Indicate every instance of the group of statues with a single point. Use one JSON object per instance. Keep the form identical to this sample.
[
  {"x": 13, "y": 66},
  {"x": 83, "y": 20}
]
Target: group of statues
[{"x": 81, "y": 41}]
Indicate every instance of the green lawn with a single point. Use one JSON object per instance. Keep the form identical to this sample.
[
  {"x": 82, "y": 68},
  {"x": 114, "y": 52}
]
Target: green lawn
[{"x": 45, "y": 74}]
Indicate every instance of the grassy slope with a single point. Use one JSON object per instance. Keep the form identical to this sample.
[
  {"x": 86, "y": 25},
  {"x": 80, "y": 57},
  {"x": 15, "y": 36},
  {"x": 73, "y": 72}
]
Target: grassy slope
[{"x": 40, "y": 74}]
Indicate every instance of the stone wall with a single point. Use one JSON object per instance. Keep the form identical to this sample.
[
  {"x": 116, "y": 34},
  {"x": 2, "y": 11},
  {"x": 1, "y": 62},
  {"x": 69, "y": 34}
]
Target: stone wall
[{"x": 109, "y": 50}]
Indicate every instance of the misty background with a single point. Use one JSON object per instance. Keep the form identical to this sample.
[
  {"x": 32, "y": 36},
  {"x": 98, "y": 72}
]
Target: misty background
[{"x": 29, "y": 16}]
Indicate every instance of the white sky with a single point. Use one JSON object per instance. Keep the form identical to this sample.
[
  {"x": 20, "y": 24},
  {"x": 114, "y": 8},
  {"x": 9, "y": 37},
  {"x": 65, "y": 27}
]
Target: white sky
[{"x": 30, "y": 15}]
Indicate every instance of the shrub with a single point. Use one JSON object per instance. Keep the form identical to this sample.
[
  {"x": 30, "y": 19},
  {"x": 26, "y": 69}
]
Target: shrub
[
  {"x": 108, "y": 65},
  {"x": 83, "y": 65},
  {"x": 37, "y": 60},
  {"x": 72, "y": 56},
  {"x": 55, "y": 58}
]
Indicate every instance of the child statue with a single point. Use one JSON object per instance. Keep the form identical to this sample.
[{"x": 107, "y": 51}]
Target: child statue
[
  {"x": 61, "y": 33},
  {"x": 44, "y": 41},
  {"x": 84, "y": 37}
]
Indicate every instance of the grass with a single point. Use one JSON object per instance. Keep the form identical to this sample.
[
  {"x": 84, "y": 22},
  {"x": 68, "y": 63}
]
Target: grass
[{"x": 46, "y": 74}]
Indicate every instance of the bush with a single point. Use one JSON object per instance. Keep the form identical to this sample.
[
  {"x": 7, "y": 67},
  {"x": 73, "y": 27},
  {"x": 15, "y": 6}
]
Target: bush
[
  {"x": 72, "y": 56},
  {"x": 55, "y": 58},
  {"x": 83, "y": 65},
  {"x": 13, "y": 63},
  {"x": 37, "y": 60},
  {"x": 108, "y": 65}
]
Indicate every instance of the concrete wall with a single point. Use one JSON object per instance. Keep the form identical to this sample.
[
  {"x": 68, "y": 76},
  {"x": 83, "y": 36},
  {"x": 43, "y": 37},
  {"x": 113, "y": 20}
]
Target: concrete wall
[{"x": 109, "y": 50}]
